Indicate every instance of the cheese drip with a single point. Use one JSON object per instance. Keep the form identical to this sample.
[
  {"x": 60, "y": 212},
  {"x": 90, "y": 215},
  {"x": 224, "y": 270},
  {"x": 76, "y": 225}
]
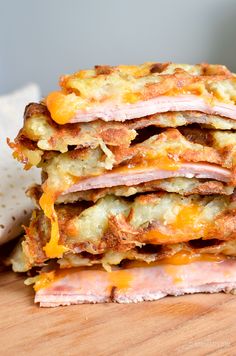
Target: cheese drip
[
  {"x": 150, "y": 160},
  {"x": 52, "y": 248},
  {"x": 62, "y": 106}
]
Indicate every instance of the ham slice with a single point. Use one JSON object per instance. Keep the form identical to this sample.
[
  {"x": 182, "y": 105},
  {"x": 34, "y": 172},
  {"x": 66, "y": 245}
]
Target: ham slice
[
  {"x": 138, "y": 284},
  {"x": 123, "y": 112},
  {"x": 134, "y": 176}
]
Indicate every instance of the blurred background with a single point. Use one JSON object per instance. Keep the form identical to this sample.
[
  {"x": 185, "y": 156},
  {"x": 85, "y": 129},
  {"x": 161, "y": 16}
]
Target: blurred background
[{"x": 40, "y": 40}]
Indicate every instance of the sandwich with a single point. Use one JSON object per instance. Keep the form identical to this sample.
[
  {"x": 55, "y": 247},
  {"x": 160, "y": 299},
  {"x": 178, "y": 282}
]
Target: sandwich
[{"x": 137, "y": 199}]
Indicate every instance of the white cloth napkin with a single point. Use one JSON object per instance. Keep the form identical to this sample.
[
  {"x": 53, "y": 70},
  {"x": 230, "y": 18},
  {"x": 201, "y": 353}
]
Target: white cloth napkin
[{"x": 15, "y": 207}]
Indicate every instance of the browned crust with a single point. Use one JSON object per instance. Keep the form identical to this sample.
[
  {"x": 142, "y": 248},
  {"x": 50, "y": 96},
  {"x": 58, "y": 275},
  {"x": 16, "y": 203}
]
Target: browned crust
[
  {"x": 35, "y": 109},
  {"x": 138, "y": 152},
  {"x": 206, "y": 69},
  {"x": 103, "y": 69},
  {"x": 208, "y": 188},
  {"x": 158, "y": 67},
  {"x": 178, "y": 80}
]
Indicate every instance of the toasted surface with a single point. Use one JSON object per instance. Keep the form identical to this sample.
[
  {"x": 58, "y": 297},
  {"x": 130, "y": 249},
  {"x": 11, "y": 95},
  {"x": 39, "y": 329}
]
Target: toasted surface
[
  {"x": 122, "y": 225},
  {"x": 105, "y": 86}
]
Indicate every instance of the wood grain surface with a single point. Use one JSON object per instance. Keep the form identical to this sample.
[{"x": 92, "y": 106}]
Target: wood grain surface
[{"x": 191, "y": 325}]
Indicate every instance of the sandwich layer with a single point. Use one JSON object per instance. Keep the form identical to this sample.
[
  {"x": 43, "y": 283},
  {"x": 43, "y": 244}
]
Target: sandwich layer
[
  {"x": 38, "y": 142},
  {"x": 134, "y": 284},
  {"x": 127, "y": 92},
  {"x": 182, "y": 186},
  {"x": 119, "y": 225},
  {"x": 167, "y": 151},
  {"x": 40, "y": 131},
  {"x": 179, "y": 253}
]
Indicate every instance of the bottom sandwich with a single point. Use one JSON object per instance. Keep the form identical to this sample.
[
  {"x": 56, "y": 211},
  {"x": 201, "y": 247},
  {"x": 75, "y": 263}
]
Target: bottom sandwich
[
  {"x": 131, "y": 249},
  {"x": 135, "y": 282}
]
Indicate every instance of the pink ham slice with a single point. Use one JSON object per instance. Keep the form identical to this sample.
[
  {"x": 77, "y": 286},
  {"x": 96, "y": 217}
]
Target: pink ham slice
[
  {"x": 145, "y": 283},
  {"x": 122, "y": 112},
  {"x": 134, "y": 176}
]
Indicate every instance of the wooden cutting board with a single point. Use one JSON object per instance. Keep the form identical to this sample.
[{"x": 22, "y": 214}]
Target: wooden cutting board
[{"x": 190, "y": 325}]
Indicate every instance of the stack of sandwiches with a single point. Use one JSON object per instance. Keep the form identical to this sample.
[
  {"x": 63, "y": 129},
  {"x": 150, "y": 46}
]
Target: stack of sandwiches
[{"x": 138, "y": 173}]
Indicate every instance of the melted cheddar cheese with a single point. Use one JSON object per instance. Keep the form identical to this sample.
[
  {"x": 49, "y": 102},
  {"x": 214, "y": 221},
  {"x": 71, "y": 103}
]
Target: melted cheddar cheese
[
  {"x": 62, "y": 107},
  {"x": 120, "y": 279},
  {"x": 186, "y": 223},
  {"x": 155, "y": 162},
  {"x": 180, "y": 258},
  {"x": 52, "y": 248},
  {"x": 42, "y": 281},
  {"x": 187, "y": 217}
]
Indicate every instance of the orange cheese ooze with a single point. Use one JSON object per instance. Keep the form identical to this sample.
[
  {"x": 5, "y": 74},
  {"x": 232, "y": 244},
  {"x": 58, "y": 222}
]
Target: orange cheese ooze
[
  {"x": 186, "y": 227},
  {"x": 163, "y": 162},
  {"x": 180, "y": 258},
  {"x": 52, "y": 248},
  {"x": 62, "y": 107},
  {"x": 131, "y": 98},
  {"x": 183, "y": 258},
  {"x": 120, "y": 279},
  {"x": 150, "y": 162},
  {"x": 44, "y": 280},
  {"x": 187, "y": 217}
]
